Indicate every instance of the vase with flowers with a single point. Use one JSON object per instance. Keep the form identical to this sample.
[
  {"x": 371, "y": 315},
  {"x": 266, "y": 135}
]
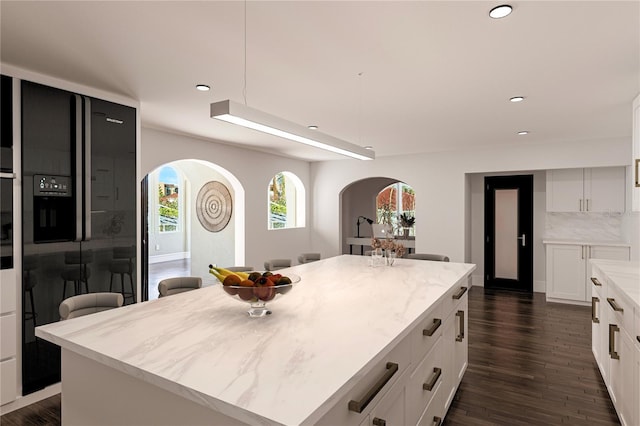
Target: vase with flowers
[{"x": 407, "y": 221}]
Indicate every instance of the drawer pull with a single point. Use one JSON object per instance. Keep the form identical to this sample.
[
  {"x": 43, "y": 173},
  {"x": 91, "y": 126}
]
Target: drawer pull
[
  {"x": 379, "y": 422},
  {"x": 614, "y": 305},
  {"x": 437, "y": 421},
  {"x": 437, "y": 322},
  {"x": 595, "y": 281},
  {"x": 358, "y": 406},
  {"x": 459, "y": 294},
  {"x": 434, "y": 379},
  {"x": 612, "y": 341},
  {"x": 460, "y": 337},
  {"x": 594, "y": 318}
]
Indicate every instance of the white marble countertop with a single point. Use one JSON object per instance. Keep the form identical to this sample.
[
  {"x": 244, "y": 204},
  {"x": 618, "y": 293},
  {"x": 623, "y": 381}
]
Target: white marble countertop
[
  {"x": 586, "y": 242},
  {"x": 286, "y": 368},
  {"x": 625, "y": 276}
]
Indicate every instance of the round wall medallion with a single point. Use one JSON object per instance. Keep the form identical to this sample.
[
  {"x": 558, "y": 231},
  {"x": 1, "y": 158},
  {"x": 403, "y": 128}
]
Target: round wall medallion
[{"x": 214, "y": 206}]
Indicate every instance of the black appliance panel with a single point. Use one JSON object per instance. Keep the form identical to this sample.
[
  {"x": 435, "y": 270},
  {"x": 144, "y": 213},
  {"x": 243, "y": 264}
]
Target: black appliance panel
[
  {"x": 6, "y": 124},
  {"x": 78, "y": 159}
]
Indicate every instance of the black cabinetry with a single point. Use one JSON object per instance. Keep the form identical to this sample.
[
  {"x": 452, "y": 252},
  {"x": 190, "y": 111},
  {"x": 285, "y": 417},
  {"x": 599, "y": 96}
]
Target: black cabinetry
[{"x": 78, "y": 207}]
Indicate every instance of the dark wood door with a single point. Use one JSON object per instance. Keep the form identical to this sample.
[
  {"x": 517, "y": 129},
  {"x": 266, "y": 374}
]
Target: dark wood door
[{"x": 508, "y": 225}]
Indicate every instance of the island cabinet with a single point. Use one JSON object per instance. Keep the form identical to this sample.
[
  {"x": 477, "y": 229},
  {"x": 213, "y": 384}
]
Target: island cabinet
[
  {"x": 599, "y": 189},
  {"x": 429, "y": 364},
  {"x": 351, "y": 344},
  {"x": 568, "y": 268},
  {"x": 616, "y": 303}
]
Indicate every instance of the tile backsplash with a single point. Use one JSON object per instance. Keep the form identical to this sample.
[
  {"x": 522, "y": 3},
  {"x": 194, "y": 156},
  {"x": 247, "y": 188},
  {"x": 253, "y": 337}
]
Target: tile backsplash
[{"x": 580, "y": 226}]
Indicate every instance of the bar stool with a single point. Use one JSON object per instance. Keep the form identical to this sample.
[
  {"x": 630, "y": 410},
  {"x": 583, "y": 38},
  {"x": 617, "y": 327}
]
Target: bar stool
[
  {"x": 78, "y": 274},
  {"x": 122, "y": 265},
  {"x": 29, "y": 264}
]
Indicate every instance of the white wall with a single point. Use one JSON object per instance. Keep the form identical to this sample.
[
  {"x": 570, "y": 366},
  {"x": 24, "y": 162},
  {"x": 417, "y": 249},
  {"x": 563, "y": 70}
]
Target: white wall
[
  {"x": 439, "y": 179},
  {"x": 253, "y": 170}
]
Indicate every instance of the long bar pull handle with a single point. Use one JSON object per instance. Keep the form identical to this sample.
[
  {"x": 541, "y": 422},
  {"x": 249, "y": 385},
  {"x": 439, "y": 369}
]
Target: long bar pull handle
[
  {"x": 78, "y": 184},
  {"x": 582, "y": 252},
  {"x": 595, "y": 281},
  {"x": 460, "y": 293},
  {"x": 379, "y": 422},
  {"x": 587, "y": 204},
  {"x": 460, "y": 337},
  {"x": 437, "y": 322},
  {"x": 580, "y": 204},
  {"x": 614, "y": 304},
  {"x": 612, "y": 341},
  {"x": 437, "y": 421},
  {"x": 594, "y": 318},
  {"x": 87, "y": 169},
  {"x": 358, "y": 406},
  {"x": 433, "y": 380}
]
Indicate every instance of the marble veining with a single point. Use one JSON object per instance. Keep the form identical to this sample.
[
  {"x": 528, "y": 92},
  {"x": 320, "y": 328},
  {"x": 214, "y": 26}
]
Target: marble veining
[
  {"x": 624, "y": 275},
  {"x": 584, "y": 226},
  {"x": 281, "y": 369}
]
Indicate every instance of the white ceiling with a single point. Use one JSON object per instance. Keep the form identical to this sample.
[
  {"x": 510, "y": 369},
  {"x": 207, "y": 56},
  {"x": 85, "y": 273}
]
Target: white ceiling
[{"x": 434, "y": 75}]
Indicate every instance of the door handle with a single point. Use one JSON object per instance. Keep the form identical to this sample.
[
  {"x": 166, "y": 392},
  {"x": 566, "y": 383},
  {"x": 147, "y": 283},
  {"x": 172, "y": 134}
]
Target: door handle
[{"x": 523, "y": 238}]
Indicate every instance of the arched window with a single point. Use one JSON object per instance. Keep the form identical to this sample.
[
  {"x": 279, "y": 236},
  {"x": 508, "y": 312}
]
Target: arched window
[
  {"x": 394, "y": 201},
  {"x": 169, "y": 203},
  {"x": 286, "y": 197}
]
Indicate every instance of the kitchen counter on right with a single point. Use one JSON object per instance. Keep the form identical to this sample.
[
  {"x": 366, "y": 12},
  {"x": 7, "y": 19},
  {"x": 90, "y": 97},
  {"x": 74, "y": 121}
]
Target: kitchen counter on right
[{"x": 615, "y": 332}]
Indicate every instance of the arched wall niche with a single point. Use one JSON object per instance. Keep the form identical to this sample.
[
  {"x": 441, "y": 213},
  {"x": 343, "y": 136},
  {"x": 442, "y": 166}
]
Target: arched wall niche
[{"x": 359, "y": 199}]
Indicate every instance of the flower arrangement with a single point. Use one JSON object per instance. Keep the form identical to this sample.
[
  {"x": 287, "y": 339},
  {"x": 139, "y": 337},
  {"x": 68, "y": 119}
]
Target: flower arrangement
[
  {"x": 388, "y": 245},
  {"x": 407, "y": 221}
]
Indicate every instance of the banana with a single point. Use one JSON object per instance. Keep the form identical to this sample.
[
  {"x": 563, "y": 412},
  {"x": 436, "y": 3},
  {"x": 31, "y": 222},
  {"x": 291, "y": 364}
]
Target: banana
[
  {"x": 215, "y": 273},
  {"x": 224, "y": 272}
]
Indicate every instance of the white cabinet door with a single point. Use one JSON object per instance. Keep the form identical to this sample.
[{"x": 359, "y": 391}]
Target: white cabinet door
[
  {"x": 566, "y": 272},
  {"x": 390, "y": 411},
  {"x": 622, "y": 375},
  {"x": 604, "y": 189},
  {"x": 598, "y": 324},
  {"x": 635, "y": 160},
  {"x": 461, "y": 346},
  {"x": 636, "y": 420},
  {"x": 565, "y": 190}
]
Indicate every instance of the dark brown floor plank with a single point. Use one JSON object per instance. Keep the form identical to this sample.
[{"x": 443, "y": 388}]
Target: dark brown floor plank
[{"x": 530, "y": 362}]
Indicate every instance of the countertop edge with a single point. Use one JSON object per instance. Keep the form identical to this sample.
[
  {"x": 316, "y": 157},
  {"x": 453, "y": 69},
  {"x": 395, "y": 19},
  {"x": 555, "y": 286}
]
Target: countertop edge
[{"x": 586, "y": 242}]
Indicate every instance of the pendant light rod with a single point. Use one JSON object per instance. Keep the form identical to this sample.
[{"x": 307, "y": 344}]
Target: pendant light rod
[{"x": 242, "y": 115}]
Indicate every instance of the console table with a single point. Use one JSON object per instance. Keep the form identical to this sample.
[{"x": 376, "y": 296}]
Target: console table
[{"x": 366, "y": 241}]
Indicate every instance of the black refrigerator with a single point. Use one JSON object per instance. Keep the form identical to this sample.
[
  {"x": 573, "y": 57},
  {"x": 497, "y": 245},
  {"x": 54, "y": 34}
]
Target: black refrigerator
[{"x": 78, "y": 211}]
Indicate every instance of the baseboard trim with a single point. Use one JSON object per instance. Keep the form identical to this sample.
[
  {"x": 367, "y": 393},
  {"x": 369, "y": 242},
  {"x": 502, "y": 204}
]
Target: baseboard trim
[
  {"x": 169, "y": 257},
  {"x": 23, "y": 401}
]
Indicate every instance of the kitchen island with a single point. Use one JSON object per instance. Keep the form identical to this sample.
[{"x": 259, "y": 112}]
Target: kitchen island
[{"x": 348, "y": 340}]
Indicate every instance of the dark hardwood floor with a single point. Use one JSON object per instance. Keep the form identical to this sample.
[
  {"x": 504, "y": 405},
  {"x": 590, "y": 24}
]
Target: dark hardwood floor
[{"x": 530, "y": 363}]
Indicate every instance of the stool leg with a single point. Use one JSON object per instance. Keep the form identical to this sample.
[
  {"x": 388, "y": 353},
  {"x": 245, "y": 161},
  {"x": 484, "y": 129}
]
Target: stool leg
[
  {"x": 122, "y": 286},
  {"x": 33, "y": 308},
  {"x": 133, "y": 293},
  {"x": 111, "y": 283},
  {"x": 64, "y": 289}
]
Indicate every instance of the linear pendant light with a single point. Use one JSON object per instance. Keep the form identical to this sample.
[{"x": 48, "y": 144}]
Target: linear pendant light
[{"x": 242, "y": 115}]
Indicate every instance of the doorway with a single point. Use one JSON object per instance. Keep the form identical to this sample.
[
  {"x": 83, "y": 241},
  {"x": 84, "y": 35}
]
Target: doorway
[{"x": 508, "y": 231}]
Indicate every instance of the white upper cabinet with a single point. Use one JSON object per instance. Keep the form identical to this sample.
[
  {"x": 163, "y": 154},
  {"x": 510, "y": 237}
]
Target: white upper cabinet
[
  {"x": 599, "y": 189},
  {"x": 635, "y": 160}
]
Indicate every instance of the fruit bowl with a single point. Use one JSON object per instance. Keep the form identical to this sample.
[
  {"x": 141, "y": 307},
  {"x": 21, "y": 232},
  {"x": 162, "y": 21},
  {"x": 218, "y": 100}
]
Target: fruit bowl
[{"x": 256, "y": 288}]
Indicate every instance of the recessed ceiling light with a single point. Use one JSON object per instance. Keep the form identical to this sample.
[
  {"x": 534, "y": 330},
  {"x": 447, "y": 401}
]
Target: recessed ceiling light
[
  {"x": 500, "y": 11},
  {"x": 313, "y": 127},
  {"x": 523, "y": 132},
  {"x": 517, "y": 99},
  {"x": 203, "y": 87}
]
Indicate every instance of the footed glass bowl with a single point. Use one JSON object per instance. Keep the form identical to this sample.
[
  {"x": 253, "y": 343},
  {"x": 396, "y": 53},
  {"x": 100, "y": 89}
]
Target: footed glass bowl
[{"x": 261, "y": 292}]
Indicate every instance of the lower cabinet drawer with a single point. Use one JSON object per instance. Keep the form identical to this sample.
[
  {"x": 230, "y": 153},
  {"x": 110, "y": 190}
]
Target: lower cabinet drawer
[
  {"x": 621, "y": 311},
  {"x": 424, "y": 381},
  {"x": 8, "y": 384},
  {"x": 426, "y": 334},
  {"x": 371, "y": 388},
  {"x": 8, "y": 336},
  {"x": 433, "y": 415}
]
